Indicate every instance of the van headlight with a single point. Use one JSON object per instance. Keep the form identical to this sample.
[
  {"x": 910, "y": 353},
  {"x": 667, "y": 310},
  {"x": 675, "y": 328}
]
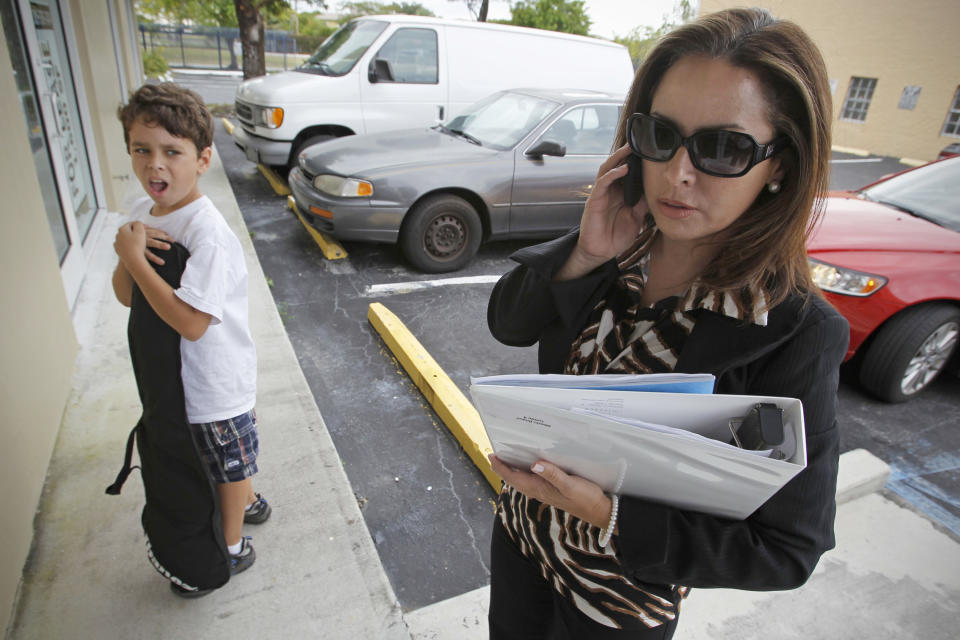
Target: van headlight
[
  {"x": 343, "y": 187},
  {"x": 271, "y": 117},
  {"x": 844, "y": 281}
]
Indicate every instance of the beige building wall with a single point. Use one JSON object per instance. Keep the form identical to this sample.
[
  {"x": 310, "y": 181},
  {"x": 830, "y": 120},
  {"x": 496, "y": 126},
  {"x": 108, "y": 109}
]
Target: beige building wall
[
  {"x": 898, "y": 43},
  {"x": 38, "y": 344}
]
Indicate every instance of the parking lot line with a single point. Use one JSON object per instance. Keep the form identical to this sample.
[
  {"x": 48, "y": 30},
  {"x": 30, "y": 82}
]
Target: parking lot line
[
  {"x": 227, "y": 125},
  {"x": 331, "y": 248},
  {"x": 447, "y": 400},
  {"x": 391, "y": 288}
]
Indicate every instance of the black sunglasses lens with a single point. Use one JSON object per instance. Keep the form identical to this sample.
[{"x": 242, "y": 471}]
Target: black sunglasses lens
[
  {"x": 653, "y": 140},
  {"x": 722, "y": 152}
]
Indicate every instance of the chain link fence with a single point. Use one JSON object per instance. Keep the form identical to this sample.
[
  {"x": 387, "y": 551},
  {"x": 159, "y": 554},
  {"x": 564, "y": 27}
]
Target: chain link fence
[{"x": 215, "y": 47}]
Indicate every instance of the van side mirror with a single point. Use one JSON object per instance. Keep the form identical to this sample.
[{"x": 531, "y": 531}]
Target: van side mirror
[
  {"x": 546, "y": 148},
  {"x": 380, "y": 71}
]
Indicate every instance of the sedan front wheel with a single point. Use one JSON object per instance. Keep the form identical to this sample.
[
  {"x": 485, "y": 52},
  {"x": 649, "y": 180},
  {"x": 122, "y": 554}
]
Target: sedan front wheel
[
  {"x": 909, "y": 351},
  {"x": 441, "y": 233}
]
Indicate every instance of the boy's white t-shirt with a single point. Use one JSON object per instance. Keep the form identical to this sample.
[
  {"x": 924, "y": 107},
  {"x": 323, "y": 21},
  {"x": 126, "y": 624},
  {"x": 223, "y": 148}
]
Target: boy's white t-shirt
[{"x": 219, "y": 370}]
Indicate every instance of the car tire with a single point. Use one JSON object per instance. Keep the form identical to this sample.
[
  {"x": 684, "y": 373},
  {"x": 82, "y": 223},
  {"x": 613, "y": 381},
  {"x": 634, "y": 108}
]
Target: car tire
[
  {"x": 303, "y": 144},
  {"x": 440, "y": 234},
  {"x": 909, "y": 351}
]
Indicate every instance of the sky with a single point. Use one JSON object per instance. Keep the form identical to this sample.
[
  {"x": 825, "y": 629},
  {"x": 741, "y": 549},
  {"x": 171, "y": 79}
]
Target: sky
[{"x": 609, "y": 18}]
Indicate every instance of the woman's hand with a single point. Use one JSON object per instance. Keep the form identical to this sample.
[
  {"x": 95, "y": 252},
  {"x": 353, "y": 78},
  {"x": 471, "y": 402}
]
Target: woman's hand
[
  {"x": 549, "y": 484},
  {"x": 608, "y": 226}
]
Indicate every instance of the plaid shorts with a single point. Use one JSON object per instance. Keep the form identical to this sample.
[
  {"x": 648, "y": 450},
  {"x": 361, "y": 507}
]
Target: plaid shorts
[{"x": 229, "y": 448}]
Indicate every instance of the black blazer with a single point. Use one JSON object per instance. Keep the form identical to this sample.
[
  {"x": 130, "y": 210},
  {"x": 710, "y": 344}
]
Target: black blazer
[{"x": 796, "y": 355}]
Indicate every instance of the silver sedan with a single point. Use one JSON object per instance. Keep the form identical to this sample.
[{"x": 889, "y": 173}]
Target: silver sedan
[{"x": 518, "y": 164}]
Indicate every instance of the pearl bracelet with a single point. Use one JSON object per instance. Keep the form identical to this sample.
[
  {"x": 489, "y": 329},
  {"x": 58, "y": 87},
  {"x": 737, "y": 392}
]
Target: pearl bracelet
[{"x": 607, "y": 533}]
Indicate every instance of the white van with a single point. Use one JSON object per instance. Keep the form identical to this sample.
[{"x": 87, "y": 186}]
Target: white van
[{"x": 380, "y": 73}]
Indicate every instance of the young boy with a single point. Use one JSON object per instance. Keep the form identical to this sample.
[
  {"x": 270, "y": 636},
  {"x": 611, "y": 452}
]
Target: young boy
[{"x": 169, "y": 131}]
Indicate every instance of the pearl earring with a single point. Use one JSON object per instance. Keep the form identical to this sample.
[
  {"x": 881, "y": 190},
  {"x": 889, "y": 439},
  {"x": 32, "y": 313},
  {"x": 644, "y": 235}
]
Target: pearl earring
[{"x": 773, "y": 187}]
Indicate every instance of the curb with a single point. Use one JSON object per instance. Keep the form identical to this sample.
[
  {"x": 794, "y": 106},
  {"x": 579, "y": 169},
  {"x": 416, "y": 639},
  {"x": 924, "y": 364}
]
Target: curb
[
  {"x": 454, "y": 409},
  {"x": 861, "y": 473},
  {"x": 332, "y": 250},
  {"x": 276, "y": 182}
]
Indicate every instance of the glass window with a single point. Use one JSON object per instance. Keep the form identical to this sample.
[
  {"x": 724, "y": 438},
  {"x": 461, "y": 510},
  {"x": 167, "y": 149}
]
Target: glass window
[
  {"x": 338, "y": 53},
  {"x": 502, "y": 120},
  {"x": 38, "y": 143},
  {"x": 859, "y": 95},
  {"x": 586, "y": 130},
  {"x": 412, "y": 56},
  {"x": 930, "y": 192},
  {"x": 951, "y": 127}
]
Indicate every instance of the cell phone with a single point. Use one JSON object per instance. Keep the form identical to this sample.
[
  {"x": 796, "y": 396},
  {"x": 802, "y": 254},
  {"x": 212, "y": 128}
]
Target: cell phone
[{"x": 633, "y": 181}]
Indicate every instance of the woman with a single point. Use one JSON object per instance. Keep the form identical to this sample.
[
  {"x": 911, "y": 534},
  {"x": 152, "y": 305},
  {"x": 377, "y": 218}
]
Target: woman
[{"x": 728, "y": 124}]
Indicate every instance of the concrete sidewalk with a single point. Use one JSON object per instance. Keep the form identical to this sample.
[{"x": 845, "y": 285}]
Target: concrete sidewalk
[{"x": 893, "y": 575}]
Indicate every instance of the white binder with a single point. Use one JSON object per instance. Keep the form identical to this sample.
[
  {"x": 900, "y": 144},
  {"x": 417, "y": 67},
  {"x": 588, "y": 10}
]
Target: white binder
[{"x": 678, "y": 455}]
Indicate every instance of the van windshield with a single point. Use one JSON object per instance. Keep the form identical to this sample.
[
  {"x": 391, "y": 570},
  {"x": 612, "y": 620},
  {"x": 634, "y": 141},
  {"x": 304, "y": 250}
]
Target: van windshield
[
  {"x": 338, "y": 53},
  {"x": 500, "y": 121}
]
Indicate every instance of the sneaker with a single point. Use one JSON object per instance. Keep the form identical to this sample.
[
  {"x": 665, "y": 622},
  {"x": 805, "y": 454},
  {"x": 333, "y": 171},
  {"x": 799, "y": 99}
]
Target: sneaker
[
  {"x": 258, "y": 512},
  {"x": 187, "y": 593},
  {"x": 243, "y": 560}
]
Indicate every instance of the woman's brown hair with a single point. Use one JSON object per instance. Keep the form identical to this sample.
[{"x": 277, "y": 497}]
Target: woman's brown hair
[{"x": 766, "y": 246}]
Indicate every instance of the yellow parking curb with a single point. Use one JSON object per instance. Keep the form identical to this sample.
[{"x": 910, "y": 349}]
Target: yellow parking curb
[
  {"x": 276, "y": 182},
  {"x": 227, "y": 125},
  {"x": 331, "y": 248},
  {"x": 447, "y": 400}
]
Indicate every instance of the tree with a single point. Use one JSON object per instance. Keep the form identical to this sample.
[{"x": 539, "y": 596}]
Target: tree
[
  {"x": 246, "y": 15},
  {"x": 251, "y": 25},
  {"x": 477, "y": 7},
  {"x": 210, "y": 13},
  {"x": 639, "y": 41},
  {"x": 569, "y": 16},
  {"x": 351, "y": 10}
]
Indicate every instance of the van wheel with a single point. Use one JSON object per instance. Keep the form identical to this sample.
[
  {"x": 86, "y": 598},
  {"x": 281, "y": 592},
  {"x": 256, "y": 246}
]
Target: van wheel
[
  {"x": 303, "y": 144},
  {"x": 909, "y": 352},
  {"x": 441, "y": 234}
]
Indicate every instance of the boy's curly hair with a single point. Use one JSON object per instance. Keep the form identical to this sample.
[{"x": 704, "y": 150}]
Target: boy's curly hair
[{"x": 177, "y": 109}]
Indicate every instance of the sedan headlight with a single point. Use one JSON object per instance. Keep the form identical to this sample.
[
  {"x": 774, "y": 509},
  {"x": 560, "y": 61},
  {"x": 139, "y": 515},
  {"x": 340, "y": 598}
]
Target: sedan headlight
[
  {"x": 343, "y": 187},
  {"x": 271, "y": 117},
  {"x": 844, "y": 281}
]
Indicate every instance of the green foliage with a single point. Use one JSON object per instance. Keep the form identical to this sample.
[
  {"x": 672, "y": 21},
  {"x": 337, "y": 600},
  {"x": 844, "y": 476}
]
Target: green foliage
[
  {"x": 213, "y": 13},
  {"x": 351, "y": 10},
  {"x": 639, "y": 40},
  {"x": 312, "y": 31},
  {"x": 210, "y": 13},
  {"x": 154, "y": 64},
  {"x": 569, "y": 16}
]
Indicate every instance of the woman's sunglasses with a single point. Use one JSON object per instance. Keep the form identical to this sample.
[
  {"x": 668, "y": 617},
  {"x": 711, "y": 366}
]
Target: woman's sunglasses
[{"x": 716, "y": 152}]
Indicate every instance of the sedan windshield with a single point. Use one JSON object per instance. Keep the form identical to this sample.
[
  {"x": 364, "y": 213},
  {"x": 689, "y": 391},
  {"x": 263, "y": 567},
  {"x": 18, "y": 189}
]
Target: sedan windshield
[
  {"x": 501, "y": 120},
  {"x": 338, "y": 53},
  {"x": 931, "y": 192}
]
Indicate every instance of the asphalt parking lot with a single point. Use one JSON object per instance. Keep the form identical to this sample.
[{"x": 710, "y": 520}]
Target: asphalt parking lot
[{"x": 428, "y": 509}]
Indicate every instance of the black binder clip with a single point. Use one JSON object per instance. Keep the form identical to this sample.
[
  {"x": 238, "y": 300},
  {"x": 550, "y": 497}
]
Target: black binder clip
[{"x": 760, "y": 430}]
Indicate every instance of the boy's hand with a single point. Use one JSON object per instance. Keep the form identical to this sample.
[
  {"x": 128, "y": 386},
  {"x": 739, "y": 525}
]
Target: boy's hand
[
  {"x": 133, "y": 240},
  {"x": 157, "y": 239}
]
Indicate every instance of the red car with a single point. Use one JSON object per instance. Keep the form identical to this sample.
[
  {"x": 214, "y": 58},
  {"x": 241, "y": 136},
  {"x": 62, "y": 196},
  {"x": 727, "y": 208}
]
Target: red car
[{"x": 888, "y": 258}]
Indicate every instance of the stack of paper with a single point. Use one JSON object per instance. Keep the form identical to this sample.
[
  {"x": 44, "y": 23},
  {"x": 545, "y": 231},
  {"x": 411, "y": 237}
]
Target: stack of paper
[{"x": 664, "y": 445}]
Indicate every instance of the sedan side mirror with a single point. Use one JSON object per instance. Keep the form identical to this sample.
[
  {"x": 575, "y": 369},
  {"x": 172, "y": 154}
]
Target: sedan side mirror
[
  {"x": 380, "y": 71},
  {"x": 546, "y": 148}
]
